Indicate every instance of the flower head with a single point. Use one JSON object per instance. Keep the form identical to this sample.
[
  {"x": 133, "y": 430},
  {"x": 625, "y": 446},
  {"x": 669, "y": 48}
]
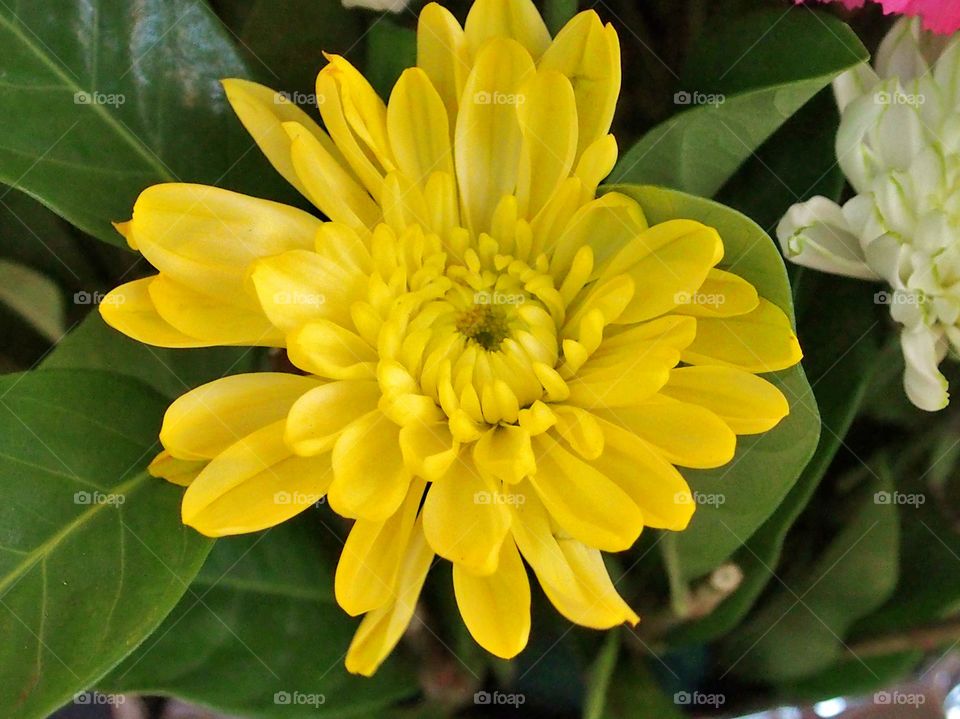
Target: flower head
[
  {"x": 899, "y": 146},
  {"x": 495, "y": 362},
  {"x": 939, "y": 16}
]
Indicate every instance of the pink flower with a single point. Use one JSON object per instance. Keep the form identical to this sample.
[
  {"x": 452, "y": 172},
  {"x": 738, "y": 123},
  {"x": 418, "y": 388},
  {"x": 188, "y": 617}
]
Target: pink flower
[{"x": 940, "y": 16}]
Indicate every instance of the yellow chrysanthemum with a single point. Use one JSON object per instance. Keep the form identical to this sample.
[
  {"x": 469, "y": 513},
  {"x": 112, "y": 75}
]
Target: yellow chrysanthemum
[{"x": 498, "y": 366}]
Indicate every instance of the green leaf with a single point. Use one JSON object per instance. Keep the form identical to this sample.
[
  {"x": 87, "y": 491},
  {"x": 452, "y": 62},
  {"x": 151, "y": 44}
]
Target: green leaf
[
  {"x": 556, "y": 13},
  {"x": 286, "y": 47},
  {"x": 101, "y": 99},
  {"x": 800, "y": 630},
  {"x": 854, "y": 676},
  {"x": 798, "y": 162},
  {"x": 171, "y": 372},
  {"x": 601, "y": 673},
  {"x": 765, "y": 466},
  {"x": 94, "y": 555},
  {"x": 929, "y": 584},
  {"x": 34, "y": 297},
  {"x": 840, "y": 376},
  {"x": 262, "y": 613},
  {"x": 747, "y": 79},
  {"x": 31, "y": 235},
  {"x": 634, "y": 692},
  {"x": 391, "y": 49}
]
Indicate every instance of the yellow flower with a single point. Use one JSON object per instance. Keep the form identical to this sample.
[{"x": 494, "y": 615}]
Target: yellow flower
[{"x": 498, "y": 366}]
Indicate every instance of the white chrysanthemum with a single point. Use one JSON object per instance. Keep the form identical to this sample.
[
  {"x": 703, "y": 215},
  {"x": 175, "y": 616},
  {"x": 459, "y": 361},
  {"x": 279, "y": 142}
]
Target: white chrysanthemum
[{"x": 899, "y": 146}]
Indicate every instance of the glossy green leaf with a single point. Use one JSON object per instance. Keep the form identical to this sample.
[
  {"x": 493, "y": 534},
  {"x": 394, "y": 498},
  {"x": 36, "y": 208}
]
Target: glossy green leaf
[
  {"x": 765, "y": 466},
  {"x": 94, "y": 345},
  {"x": 286, "y": 47},
  {"x": 93, "y": 555},
  {"x": 839, "y": 374},
  {"x": 391, "y": 49},
  {"x": 33, "y": 236},
  {"x": 33, "y": 297},
  {"x": 801, "y": 629},
  {"x": 262, "y": 613},
  {"x": 103, "y": 98},
  {"x": 796, "y": 163},
  {"x": 748, "y": 77}
]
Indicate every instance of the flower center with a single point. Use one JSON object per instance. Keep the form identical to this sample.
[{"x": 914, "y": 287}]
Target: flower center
[{"x": 484, "y": 324}]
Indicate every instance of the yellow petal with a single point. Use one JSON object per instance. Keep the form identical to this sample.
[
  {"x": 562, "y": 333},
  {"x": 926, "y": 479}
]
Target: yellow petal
[
  {"x": 580, "y": 430},
  {"x": 584, "y": 502},
  {"x": 747, "y": 403},
  {"x": 685, "y": 434},
  {"x": 382, "y": 628},
  {"x": 464, "y": 518},
  {"x": 605, "y": 225},
  {"x": 646, "y": 476},
  {"x": 505, "y": 453},
  {"x": 596, "y": 162},
  {"x": 623, "y": 376},
  {"x": 514, "y": 19},
  {"x": 588, "y": 53},
  {"x": 370, "y": 479},
  {"x": 722, "y": 294},
  {"x": 418, "y": 127},
  {"x": 759, "y": 341},
  {"x": 263, "y": 112},
  {"x": 129, "y": 309},
  {"x": 667, "y": 263},
  {"x": 318, "y": 416},
  {"x": 496, "y": 607},
  {"x": 403, "y": 204},
  {"x": 212, "y": 319},
  {"x": 206, "y": 238},
  {"x": 372, "y": 557},
  {"x": 487, "y": 138},
  {"x": 356, "y": 119},
  {"x": 298, "y": 287},
  {"x": 428, "y": 449},
  {"x": 176, "y": 471},
  {"x": 548, "y": 123},
  {"x": 327, "y": 349},
  {"x": 333, "y": 189},
  {"x": 442, "y": 53},
  {"x": 572, "y": 575},
  {"x": 205, "y": 421},
  {"x": 254, "y": 484}
]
